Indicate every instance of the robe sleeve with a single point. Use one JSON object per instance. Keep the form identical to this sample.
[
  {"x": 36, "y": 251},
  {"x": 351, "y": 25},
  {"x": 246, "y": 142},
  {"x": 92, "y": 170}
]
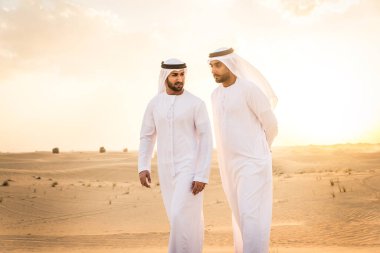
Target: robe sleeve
[
  {"x": 147, "y": 139},
  {"x": 204, "y": 153},
  {"x": 260, "y": 106}
]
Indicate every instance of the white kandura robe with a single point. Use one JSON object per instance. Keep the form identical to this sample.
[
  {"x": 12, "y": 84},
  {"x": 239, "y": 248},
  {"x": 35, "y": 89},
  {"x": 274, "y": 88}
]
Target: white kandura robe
[
  {"x": 245, "y": 127},
  {"x": 184, "y": 148}
]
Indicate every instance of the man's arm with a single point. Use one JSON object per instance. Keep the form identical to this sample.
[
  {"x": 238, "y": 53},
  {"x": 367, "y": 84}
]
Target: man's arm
[
  {"x": 269, "y": 123},
  {"x": 203, "y": 130},
  {"x": 147, "y": 141},
  {"x": 260, "y": 106}
]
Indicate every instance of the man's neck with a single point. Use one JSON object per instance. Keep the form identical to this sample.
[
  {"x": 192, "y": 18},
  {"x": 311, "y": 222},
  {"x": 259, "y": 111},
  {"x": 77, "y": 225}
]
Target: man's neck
[
  {"x": 172, "y": 92},
  {"x": 230, "y": 81}
]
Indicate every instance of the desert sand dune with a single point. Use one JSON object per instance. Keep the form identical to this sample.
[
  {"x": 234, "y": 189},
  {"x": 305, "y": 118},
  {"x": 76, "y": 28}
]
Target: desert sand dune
[{"x": 326, "y": 199}]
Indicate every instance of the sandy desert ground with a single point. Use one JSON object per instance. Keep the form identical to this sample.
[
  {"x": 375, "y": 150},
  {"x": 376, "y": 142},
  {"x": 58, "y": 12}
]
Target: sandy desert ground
[{"x": 326, "y": 200}]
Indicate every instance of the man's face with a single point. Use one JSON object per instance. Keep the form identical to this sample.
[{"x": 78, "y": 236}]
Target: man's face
[
  {"x": 176, "y": 80},
  {"x": 220, "y": 72}
]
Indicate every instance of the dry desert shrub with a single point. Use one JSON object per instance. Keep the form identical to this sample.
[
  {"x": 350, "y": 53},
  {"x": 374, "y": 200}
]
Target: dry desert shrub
[
  {"x": 338, "y": 183},
  {"x": 5, "y": 183},
  {"x": 102, "y": 150}
]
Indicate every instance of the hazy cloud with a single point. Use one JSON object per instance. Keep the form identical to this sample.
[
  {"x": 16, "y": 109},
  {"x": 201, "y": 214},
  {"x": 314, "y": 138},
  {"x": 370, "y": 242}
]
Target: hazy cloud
[
  {"x": 38, "y": 35},
  {"x": 301, "y": 8}
]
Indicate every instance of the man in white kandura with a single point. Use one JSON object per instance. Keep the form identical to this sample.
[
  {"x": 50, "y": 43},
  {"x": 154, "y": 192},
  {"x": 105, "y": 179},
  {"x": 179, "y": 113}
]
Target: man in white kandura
[
  {"x": 245, "y": 127},
  {"x": 184, "y": 146}
]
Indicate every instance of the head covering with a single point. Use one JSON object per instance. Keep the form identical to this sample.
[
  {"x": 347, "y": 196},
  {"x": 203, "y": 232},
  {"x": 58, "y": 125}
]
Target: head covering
[
  {"x": 167, "y": 67},
  {"x": 244, "y": 70}
]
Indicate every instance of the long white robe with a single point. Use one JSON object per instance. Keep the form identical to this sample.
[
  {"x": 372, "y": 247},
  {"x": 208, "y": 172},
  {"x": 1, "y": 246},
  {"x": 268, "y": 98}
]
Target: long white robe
[
  {"x": 245, "y": 127},
  {"x": 184, "y": 147}
]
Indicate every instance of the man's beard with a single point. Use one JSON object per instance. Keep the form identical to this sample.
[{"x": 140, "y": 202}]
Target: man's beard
[
  {"x": 177, "y": 86},
  {"x": 222, "y": 78}
]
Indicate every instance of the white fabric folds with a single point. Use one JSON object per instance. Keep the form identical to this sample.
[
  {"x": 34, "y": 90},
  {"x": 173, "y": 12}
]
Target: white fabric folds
[
  {"x": 245, "y": 127},
  {"x": 181, "y": 126}
]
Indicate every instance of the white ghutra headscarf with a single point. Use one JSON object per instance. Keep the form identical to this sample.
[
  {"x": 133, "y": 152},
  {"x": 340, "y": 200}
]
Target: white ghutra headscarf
[
  {"x": 244, "y": 70},
  {"x": 167, "y": 67}
]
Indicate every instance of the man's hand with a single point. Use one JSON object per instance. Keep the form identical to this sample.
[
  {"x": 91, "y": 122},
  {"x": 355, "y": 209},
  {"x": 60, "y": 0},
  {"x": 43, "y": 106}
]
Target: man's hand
[
  {"x": 144, "y": 175},
  {"x": 197, "y": 187}
]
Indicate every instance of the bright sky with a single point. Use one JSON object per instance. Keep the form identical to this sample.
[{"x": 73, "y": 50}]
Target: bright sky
[{"x": 77, "y": 74}]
